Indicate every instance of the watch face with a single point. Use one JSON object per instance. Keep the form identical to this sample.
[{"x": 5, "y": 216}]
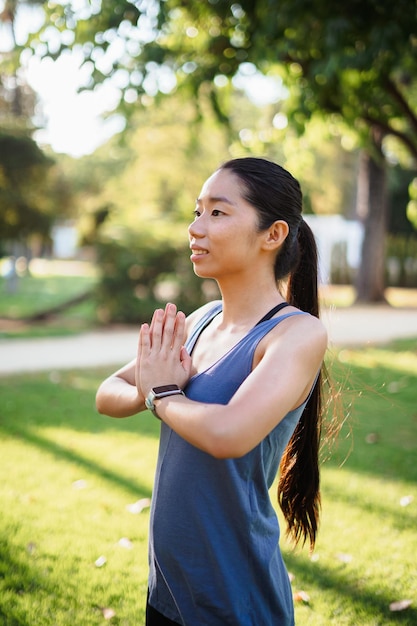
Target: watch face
[{"x": 164, "y": 389}]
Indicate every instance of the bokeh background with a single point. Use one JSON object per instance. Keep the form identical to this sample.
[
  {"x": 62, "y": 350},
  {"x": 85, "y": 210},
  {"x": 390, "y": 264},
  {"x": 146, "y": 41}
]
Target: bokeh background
[{"x": 112, "y": 114}]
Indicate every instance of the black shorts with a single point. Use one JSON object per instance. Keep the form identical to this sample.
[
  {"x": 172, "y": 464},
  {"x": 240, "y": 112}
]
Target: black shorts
[{"x": 155, "y": 618}]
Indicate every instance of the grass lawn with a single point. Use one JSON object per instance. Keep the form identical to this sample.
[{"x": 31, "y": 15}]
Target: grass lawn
[
  {"x": 68, "y": 477},
  {"x": 50, "y": 284}
]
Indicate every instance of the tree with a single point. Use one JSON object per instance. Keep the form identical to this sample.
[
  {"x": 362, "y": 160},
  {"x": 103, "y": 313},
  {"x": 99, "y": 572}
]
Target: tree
[
  {"x": 14, "y": 92},
  {"x": 23, "y": 169},
  {"x": 354, "y": 62},
  {"x": 33, "y": 190}
]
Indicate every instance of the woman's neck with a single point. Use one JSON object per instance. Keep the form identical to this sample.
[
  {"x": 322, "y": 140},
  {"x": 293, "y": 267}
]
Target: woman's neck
[{"x": 244, "y": 303}]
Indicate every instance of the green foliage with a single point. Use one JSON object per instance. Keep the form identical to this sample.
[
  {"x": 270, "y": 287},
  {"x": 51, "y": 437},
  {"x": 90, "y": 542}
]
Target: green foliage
[
  {"x": 412, "y": 205},
  {"x": 141, "y": 275},
  {"x": 355, "y": 64},
  {"x": 33, "y": 190},
  {"x": 399, "y": 181},
  {"x": 23, "y": 173},
  {"x": 167, "y": 157},
  {"x": 357, "y": 61}
]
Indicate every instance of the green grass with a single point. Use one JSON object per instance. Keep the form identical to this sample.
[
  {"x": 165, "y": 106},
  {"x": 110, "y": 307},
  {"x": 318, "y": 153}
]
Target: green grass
[
  {"x": 39, "y": 292},
  {"x": 52, "y": 531},
  {"x": 365, "y": 556},
  {"x": 36, "y": 294}
]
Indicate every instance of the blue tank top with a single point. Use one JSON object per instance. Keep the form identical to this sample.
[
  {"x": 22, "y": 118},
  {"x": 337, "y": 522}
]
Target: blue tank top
[{"x": 214, "y": 536}]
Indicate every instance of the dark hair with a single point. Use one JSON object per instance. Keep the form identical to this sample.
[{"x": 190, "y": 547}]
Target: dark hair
[{"x": 276, "y": 195}]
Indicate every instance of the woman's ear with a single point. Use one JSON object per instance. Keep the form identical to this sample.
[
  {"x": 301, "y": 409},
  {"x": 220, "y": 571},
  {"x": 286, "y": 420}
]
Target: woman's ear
[{"x": 276, "y": 235}]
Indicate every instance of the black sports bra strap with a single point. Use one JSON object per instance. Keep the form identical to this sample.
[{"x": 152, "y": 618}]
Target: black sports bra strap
[{"x": 272, "y": 312}]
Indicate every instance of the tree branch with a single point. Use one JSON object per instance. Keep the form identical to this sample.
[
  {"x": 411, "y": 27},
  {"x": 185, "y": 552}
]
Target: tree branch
[
  {"x": 393, "y": 90},
  {"x": 388, "y": 130}
]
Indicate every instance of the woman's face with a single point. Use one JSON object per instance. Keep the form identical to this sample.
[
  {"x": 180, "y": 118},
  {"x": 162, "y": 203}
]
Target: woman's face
[{"x": 224, "y": 237}]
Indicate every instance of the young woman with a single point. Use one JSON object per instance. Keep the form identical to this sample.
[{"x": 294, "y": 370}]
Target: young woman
[{"x": 236, "y": 386}]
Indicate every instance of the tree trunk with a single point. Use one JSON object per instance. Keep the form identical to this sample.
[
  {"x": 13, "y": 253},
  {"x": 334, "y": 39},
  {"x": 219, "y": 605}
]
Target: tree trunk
[{"x": 372, "y": 209}]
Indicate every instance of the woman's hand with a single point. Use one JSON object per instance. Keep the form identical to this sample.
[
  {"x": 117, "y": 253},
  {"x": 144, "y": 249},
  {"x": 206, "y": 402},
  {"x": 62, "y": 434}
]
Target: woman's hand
[{"x": 162, "y": 358}]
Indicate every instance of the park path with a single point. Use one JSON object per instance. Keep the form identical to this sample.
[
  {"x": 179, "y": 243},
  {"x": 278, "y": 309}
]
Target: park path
[{"x": 352, "y": 326}]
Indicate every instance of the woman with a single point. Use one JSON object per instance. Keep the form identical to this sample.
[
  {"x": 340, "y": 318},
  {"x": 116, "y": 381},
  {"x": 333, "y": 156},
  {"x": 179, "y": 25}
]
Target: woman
[{"x": 239, "y": 400}]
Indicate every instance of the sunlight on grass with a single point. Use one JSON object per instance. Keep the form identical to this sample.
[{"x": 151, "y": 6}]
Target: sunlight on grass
[
  {"x": 404, "y": 362},
  {"x": 65, "y": 491},
  {"x": 68, "y": 477},
  {"x": 362, "y": 557}
]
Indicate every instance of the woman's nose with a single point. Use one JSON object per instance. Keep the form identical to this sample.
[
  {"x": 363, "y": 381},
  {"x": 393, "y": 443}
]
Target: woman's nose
[{"x": 195, "y": 228}]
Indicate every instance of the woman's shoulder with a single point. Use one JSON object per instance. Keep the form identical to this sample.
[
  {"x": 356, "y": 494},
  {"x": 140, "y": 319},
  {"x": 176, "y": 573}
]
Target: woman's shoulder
[
  {"x": 299, "y": 329},
  {"x": 300, "y": 339}
]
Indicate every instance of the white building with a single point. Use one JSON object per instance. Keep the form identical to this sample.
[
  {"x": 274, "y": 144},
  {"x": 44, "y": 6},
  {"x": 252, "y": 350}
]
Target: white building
[{"x": 339, "y": 242}]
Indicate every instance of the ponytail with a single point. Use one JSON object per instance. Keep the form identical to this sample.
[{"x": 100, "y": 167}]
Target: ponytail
[
  {"x": 302, "y": 286},
  {"x": 299, "y": 482},
  {"x": 276, "y": 195}
]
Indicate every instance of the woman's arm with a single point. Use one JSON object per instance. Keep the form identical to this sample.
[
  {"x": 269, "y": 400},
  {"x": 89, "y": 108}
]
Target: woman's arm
[
  {"x": 292, "y": 355},
  {"x": 118, "y": 395}
]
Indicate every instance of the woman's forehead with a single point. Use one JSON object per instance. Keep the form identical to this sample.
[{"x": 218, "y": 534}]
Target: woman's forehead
[{"x": 221, "y": 183}]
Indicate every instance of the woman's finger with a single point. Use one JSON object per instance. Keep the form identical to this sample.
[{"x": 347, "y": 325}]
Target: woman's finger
[
  {"x": 169, "y": 325},
  {"x": 179, "y": 328},
  {"x": 156, "y": 328},
  {"x": 144, "y": 344}
]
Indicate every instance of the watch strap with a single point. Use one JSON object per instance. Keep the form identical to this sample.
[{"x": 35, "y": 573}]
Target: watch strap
[{"x": 161, "y": 392}]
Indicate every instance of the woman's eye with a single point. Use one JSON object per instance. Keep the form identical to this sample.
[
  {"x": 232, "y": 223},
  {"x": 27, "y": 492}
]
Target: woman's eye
[{"x": 214, "y": 213}]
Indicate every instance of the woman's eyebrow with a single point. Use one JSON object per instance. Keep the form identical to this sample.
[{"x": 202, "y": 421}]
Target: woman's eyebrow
[{"x": 214, "y": 199}]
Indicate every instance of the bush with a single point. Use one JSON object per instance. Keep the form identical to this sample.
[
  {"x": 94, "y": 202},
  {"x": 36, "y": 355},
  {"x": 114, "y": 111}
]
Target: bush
[{"x": 143, "y": 274}]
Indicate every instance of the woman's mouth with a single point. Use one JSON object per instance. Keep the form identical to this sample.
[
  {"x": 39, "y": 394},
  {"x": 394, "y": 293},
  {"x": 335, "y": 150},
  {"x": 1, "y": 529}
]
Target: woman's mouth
[{"x": 197, "y": 253}]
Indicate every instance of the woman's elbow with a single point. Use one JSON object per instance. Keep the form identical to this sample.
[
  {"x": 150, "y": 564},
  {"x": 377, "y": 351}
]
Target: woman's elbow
[
  {"x": 226, "y": 445},
  {"x": 100, "y": 402},
  {"x": 105, "y": 399}
]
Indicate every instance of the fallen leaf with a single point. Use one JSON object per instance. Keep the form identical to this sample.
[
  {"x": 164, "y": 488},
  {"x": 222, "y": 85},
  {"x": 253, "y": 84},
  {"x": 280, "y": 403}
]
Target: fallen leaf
[
  {"x": 393, "y": 387},
  {"x": 401, "y": 605},
  {"x": 79, "y": 484},
  {"x": 108, "y": 613},
  {"x": 100, "y": 561},
  {"x": 139, "y": 505},
  {"x": 301, "y": 596},
  {"x": 31, "y": 547},
  {"x": 372, "y": 438},
  {"x": 345, "y": 558},
  {"x": 124, "y": 542},
  {"x": 406, "y": 500}
]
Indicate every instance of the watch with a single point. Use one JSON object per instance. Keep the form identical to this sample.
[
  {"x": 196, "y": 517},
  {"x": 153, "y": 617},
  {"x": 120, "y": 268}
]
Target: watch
[{"x": 161, "y": 392}]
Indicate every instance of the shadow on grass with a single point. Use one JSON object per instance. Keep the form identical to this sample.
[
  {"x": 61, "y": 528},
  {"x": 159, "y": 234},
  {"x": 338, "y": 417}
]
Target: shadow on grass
[
  {"x": 17, "y": 578},
  {"x": 64, "y": 399},
  {"x": 32, "y": 403},
  {"x": 401, "y": 521},
  {"x": 62, "y": 453},
  {"x": 348, "y": 591},
  {"x": 38, "y": 401}
]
